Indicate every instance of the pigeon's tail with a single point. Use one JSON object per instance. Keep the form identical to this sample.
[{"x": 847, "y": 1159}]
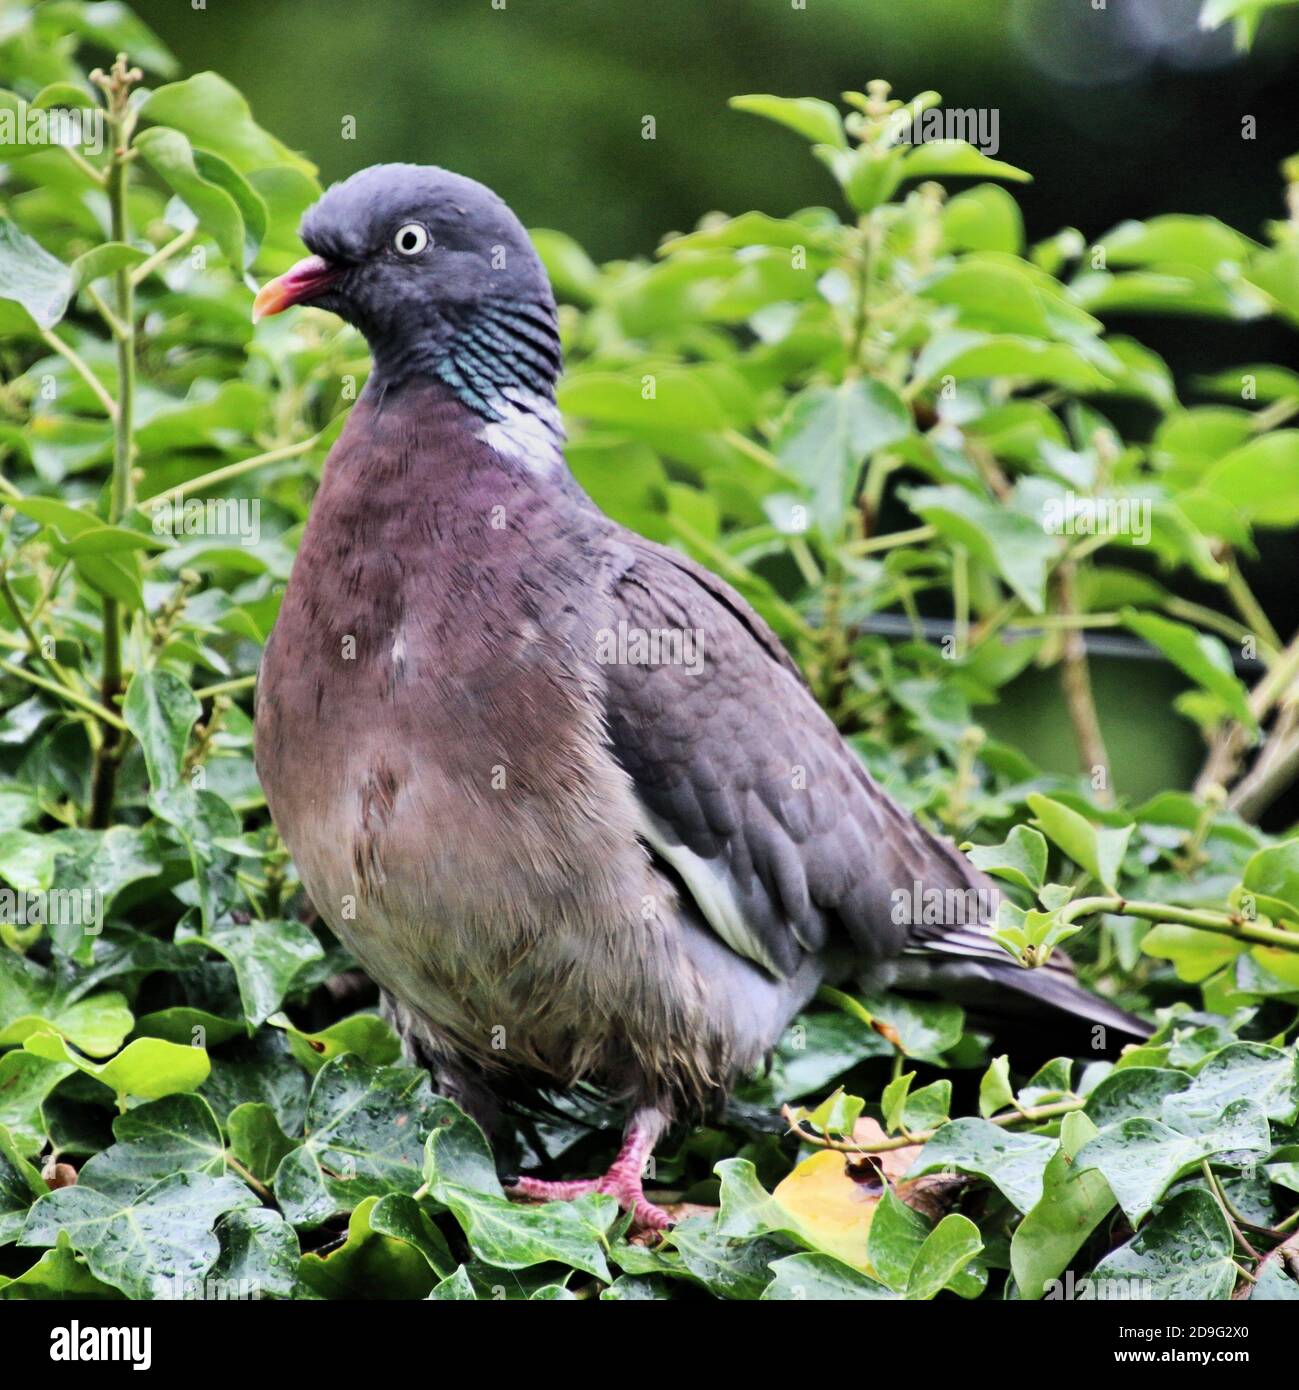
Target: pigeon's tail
[{"x": 1046, "y": 1003}]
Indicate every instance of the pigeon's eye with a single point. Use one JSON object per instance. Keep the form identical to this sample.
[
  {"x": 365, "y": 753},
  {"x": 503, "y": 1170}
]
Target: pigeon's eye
[{"x": 410, "y": 239}]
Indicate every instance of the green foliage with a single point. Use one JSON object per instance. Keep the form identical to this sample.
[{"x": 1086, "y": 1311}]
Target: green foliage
[{"x": 895, "y": 409}]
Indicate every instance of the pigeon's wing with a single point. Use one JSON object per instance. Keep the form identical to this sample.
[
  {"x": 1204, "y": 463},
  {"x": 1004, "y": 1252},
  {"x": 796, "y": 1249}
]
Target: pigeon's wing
[{"x": 748, "y": 791}]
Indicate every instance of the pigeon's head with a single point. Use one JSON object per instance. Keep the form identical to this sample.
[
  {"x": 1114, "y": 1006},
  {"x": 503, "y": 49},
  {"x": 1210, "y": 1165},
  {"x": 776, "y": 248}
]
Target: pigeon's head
[{"x": 413, "y": 255}]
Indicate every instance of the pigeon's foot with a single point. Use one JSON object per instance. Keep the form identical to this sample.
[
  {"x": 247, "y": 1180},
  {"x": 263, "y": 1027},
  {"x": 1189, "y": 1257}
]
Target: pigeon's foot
[{"x": 624, "y": 1180}]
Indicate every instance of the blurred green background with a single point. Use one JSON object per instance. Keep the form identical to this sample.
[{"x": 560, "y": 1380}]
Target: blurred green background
[{"x": 1123, "y": 111}]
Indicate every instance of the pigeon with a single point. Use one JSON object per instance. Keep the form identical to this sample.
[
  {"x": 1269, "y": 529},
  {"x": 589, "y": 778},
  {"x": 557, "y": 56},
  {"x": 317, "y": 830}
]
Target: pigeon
[{"x": 558, "y": 788}]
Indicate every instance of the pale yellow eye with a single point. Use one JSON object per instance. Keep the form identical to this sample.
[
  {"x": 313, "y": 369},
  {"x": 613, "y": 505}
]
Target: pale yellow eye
[{"x": 410, "y": 239}]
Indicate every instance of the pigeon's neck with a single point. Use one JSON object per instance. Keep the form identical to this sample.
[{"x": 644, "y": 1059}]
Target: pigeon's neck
[{"x": 500, "y": 359}]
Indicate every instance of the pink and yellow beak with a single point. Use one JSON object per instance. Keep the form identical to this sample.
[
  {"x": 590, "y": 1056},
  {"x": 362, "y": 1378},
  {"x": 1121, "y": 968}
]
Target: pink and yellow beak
[{"x": 298, "y": 285}]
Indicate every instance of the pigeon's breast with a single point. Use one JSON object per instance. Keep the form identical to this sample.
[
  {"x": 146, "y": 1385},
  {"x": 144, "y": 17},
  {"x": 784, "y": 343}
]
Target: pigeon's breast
[{"x": 430, "y": 741}]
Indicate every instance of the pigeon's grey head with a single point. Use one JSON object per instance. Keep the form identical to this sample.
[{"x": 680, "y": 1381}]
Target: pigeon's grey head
[{"x": 435, "y": 271}]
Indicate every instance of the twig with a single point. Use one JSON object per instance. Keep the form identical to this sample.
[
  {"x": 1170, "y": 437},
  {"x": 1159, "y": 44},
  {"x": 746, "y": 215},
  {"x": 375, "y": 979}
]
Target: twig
[
  {"x": 1037, "y": 1114},
  {"x": 1075, "y": 681}
]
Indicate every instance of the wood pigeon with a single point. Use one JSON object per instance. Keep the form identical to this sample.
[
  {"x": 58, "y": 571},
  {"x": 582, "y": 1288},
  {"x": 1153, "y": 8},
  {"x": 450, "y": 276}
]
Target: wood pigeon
[{"x": 558, "y": 788}]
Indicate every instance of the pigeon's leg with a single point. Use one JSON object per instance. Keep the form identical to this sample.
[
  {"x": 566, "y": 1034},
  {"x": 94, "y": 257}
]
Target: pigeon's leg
[{"x": 624, "y": 1180}]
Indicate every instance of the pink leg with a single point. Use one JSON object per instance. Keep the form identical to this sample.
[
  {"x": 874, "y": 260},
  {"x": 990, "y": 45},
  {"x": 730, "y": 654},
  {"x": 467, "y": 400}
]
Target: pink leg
[{"x": 623, "y": 1180}]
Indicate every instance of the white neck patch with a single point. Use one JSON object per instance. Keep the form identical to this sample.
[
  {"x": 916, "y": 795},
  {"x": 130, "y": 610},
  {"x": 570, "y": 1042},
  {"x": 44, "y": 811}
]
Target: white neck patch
[{"x": 531, "y": 432}]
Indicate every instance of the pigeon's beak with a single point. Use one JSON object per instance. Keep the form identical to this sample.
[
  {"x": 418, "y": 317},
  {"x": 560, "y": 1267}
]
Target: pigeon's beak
[{"x": 298, "y": 285}]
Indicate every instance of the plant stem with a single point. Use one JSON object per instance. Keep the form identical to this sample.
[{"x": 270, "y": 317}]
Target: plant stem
[
  {"x": 78, "y": 364},
  {"x": 75, "y": 697},
  {"x": 226, "y": 472},
  {"x": 1031, "y": 1114},
  {"x": 1075, "y": 680},
  {"x": 162, "y": 256},
  {"x": 121, "y": 122},
  {"x": 1221, "y": 923}
]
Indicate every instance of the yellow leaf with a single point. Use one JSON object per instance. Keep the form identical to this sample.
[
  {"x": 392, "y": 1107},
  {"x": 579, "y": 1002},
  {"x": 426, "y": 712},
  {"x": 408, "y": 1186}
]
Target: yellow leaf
[{"x": 829, "y": 1208}]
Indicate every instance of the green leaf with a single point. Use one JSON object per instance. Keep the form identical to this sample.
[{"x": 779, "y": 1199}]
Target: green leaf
[
  {"x": 20, "y": 1186},
  {"x": 1269, "y": 1076},
  {"x": 1020, "y": 858},
  {"x": 370, "y": 1037},
  {"x": 34, "y": 1000},
  {"x": 148, "y": 1067},
  {"x": 1203, "y": 658},
  {"x": 939, "y": 159},
  {"x": 828, "y": 435},
  {"x": 994, "y": 1089},
  {"x": 897, "y": 1234},
  {"x": 1099, "y": 849},
  {"x": 59, "y": 1275},
  {"x": 178, "y": 1134},
  {"x": 461, "y": 1174},
  {"x": 32, "y": 279},
  {"x": 1154, "y": 1264},
  {"x": 947, "y": 1250},
  {"x": 27, "y": 860},
  {"x": 172, "y": 157},
  {"x": 1013, "y": 1163},
  {"x": 145, "y": 1243},
  {"x": 25, "y": 1082},
  {"x": 259, "y": 1255},
  {"x": 392, "y": 1251},
  {"x": 1005, "y": 541},
  {"x": 214, "y": 115},
  {"x": 817, "y": 1278},
  {"x": 267, "y": 957},
  {"x": 812, "y": 118},
  {"x": 365, "y": 1138},
  {"x": 1073, "y": 1204},
  {"x": 103, "y": 260},
  {"x": 160, "y": 710},
  {"x": 1140, "y": 1157},
  {"x": 257, "y": 1140}
]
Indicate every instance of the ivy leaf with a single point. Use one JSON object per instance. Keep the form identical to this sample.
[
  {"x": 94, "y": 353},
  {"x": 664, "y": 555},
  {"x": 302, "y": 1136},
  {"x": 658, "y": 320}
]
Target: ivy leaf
[
  {"x": 60, "y": 1275},
  {"x": 38, "y": 284},
  {"x": 942, "y": 1259},
  {"x": 160, "y": 710},
  {"x": 820, "y": 1277},
  {"x": 370, "y": 1037},
  {"x": 178, "y": 1134},
  {"x": 461, "y": 1174},
  {"x": 259, "y": 1254},
  {"x": 25, "y": 1082},
  {"x": 1269, "y": 1076},
  {"x": 20, "y": 1186},
  {"x": 1099, "y": 849},
  {"x": 1154, "y": 1264},
  {"x": 33, "y": 1000},
  {"x": 1013, "y": 1163},
  {"x": 1073, "y": 1204},
  {"x": 378, "y": 1261},
  {"x": 365, "y": 1138},
  {"x": 148, "y": 1067},
  {"x": 1020, "y": 858},
  {"x": 1140, "y": 1158},
  {"x": 267, "y": 957},
  {"x": 257, "y": 1140},
  {"x": 146, "y": 1243},
  {"x": 828, "y": 435}
]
